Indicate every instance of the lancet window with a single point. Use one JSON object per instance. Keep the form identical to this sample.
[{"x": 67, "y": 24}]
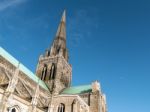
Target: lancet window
[{"x": 44, "y": 72}]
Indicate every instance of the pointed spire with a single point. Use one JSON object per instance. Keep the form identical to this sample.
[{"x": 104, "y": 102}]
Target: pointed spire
[
  {"x": 61, "y": 32},
  {"x": 59, "y": 44}
]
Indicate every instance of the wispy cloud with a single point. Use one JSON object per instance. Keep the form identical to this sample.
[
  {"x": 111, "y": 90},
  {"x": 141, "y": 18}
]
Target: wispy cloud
[{"x": 5, "y": 4}]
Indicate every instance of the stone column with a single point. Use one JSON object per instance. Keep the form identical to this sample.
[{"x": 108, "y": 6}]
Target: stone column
[
  {"x": 99, "y": 103},
  {"x": 7, "y": 95},
  {"x": 75, "y": 107},
  {"x": 35, "y": 99},
  {"x": 51, "y": 106}
]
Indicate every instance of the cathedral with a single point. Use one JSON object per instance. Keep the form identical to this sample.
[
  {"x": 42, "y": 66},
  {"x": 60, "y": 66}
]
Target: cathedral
[{"x": 49, "y": 89}]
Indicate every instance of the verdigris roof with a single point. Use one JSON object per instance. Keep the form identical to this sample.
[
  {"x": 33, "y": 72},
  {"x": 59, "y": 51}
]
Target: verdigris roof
[
  {"x": 22, "y": 68},
  {"x": 78, "y": 89}
]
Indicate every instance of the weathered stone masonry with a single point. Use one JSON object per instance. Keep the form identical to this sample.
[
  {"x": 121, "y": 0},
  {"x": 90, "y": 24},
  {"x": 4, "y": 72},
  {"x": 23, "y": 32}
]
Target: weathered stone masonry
[{"x": 49, "y": 90}]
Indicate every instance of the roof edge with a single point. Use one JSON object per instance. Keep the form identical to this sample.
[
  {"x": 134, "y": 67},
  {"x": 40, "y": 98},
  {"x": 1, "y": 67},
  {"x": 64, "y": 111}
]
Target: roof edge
[{"x": 22, "y": 68}]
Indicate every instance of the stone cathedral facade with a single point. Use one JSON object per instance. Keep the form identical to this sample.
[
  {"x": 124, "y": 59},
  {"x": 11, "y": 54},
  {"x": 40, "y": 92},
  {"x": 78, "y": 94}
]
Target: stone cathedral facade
[{"x": 49, "y": 89}]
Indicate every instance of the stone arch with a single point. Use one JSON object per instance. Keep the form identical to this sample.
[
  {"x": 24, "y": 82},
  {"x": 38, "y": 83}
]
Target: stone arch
[
  {"x": 48, "y": 53},
  {"x": 44, "y": 72},
  {"x": 52, "y": 71},
  {"x": 73, "y": 105},
  {"x": 58, "y": 49},
  {"x": 61, "y": 107},
  {"x": 15, "y": 108}
]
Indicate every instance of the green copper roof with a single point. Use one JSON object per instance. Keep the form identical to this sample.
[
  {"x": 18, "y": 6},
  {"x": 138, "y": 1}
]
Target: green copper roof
[
  {"x": 22, "y": 68},
  {"x": 77, "y": 89}
]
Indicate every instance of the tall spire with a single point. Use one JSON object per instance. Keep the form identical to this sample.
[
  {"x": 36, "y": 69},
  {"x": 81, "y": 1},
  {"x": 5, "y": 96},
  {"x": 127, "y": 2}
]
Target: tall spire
[
  {"x": 53, "y": 67},
  {"x": 59, "y": 45},
  {"x": 61, "y": 31}
]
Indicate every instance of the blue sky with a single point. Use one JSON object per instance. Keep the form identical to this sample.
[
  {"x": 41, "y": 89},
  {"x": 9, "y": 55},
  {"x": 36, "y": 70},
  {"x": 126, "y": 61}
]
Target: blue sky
[{"x": 108, "y": 40}]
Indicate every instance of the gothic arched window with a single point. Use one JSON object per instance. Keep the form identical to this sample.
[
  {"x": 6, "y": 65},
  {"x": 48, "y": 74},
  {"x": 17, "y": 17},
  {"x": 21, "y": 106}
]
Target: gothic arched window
[
  {"x": 48, "y": 53},
  {"x": 61, "y": 107},
  {"x": 52, "y": 72},
  {"x": 44, "y": 72},
  {"x": 73, "y": 105},
  {"x": 58, "y": 49}
]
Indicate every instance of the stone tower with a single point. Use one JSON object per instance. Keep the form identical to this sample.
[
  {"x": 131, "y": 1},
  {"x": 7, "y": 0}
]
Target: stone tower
[
  {"x": 50, "y": 89},
  {"x": 53, "y": 67}
]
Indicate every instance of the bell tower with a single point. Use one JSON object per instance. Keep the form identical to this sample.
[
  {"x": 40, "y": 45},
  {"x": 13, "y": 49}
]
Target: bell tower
[{"x": 53, "y": 66}]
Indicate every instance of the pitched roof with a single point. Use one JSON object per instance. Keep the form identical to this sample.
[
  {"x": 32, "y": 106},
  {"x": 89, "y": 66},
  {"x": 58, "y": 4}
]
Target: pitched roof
[
  {"x": 77, "y": 89},
  {"x": 22, "y": 68}
]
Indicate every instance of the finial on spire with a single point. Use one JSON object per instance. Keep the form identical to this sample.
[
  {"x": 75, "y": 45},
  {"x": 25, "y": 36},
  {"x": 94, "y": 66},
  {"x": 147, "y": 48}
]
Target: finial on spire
[{"x": 63, "y": 19}]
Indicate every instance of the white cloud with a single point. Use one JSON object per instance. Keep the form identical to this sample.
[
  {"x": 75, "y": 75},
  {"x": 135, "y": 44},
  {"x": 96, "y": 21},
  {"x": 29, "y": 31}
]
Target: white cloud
[{"x": 4, "y": 4}]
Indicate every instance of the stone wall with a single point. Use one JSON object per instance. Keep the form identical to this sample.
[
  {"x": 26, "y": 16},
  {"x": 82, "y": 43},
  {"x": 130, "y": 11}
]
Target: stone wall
[{"x": 73, "y": 103}]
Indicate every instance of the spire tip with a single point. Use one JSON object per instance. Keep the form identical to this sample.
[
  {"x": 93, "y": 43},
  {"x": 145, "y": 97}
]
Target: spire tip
[{"x": 64, "y": 16}]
